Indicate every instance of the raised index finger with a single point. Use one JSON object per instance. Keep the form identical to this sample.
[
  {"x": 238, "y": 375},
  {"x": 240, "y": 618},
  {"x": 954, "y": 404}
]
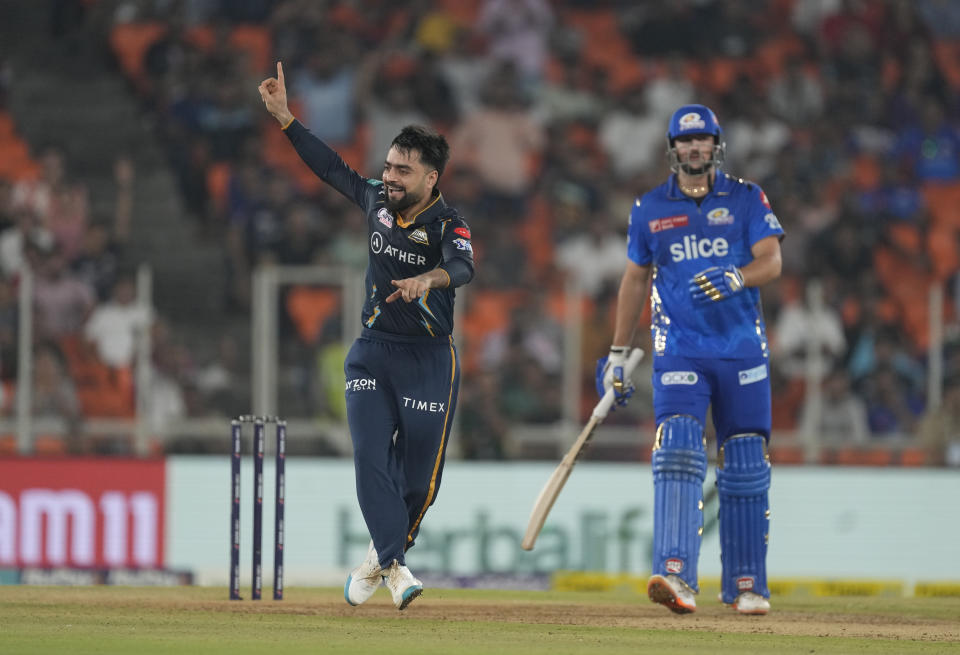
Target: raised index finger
[{"x": 280, "y": 73}]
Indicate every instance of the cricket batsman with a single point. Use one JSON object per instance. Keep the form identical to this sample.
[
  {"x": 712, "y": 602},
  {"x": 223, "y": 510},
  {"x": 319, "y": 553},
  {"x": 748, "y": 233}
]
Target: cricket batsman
[{"x": 703, "y": 243}]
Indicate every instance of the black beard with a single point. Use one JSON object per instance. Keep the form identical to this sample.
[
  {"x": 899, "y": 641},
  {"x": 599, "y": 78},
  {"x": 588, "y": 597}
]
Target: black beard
[{"x": 406, "y": 200}]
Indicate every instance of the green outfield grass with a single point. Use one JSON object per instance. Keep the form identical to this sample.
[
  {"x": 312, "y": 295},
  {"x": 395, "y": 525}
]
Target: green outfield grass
[{"x": 141, "y": 621}]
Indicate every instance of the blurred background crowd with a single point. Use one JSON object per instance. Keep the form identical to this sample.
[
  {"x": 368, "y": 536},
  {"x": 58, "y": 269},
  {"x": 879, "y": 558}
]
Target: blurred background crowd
[{"x": 844, "y": 111}]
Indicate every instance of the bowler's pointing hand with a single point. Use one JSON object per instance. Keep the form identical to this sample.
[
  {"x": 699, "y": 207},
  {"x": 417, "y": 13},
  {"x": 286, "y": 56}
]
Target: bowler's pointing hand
[
  {"x": 410, "y": 289},
  {"x": 273, "y": 91}
]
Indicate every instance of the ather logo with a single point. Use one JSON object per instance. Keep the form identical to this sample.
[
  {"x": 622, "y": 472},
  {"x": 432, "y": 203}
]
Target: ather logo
[{"x": 68, "y": 527}]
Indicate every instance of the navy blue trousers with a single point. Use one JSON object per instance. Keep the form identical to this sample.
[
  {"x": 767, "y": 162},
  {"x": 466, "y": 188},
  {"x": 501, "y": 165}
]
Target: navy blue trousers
[{"x": 401, "y": 394}]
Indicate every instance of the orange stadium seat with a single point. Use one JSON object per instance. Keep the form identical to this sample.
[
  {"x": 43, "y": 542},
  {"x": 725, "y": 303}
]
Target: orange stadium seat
[
  {"x": 464, "y": 12},
  {"x": 256, "y": 41},
  {"x": 943, "y": 202},
  {"x": 218, "y": 182},
  {"x": 309, "y": 308},
  {"x": 7, "y": 130},
  {"x": 130, "y": 42},
  {"x": 947, "y": 55}
]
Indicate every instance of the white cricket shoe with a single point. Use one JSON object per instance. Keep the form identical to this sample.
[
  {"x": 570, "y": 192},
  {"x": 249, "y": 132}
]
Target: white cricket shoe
[
  {"x": 363, "y": 580},
  {"x": 672, "y": 592},
  {"x": 402, "y": 585},
  {"x": 751, "y": 603}
]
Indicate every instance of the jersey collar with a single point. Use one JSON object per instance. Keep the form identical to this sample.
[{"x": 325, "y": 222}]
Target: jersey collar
[
  {"x": 425, "y": 215},
  {"x": 721, "y": 187}
]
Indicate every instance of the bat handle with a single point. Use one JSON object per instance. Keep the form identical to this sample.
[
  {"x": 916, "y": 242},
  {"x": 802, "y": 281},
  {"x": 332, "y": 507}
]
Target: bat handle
[{"x": 603, "y": 407}]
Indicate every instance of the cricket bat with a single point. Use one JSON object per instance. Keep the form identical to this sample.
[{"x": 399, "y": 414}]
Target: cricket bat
[{"x": 548, "y": 495}]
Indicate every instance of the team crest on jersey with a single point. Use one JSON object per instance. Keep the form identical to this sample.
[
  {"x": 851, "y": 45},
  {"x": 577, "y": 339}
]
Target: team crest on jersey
[
  {"x": 463, "y": 244},
  {"x": 720, "y": 216},
  {"x": 691, "y": 121},
  {"x": 668, "y": 223},
  {"x": 385, "y": 217},
  {"x": 420, "y": 236}
]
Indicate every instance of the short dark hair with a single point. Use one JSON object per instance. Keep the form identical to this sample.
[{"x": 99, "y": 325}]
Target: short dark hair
[{"x": 433, "y": 147}]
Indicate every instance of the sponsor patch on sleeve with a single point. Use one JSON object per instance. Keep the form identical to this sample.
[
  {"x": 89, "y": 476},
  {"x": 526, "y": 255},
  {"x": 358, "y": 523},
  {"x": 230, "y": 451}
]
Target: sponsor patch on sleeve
[
  {"x": 751, "y": 375},
  {"x": 463, "y": 244},
  {"x": 462, "y": 231}
]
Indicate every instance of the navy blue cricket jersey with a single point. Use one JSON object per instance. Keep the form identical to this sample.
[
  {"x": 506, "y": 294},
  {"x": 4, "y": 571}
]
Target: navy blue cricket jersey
[{"x": 399, "y": 247}]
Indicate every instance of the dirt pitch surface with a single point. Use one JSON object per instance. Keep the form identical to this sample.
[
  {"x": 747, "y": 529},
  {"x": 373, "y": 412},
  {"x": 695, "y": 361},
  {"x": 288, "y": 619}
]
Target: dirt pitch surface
[{"x": 640, "y": 614}]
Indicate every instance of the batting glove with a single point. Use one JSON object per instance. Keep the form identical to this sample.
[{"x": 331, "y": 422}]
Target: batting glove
[
  {"x": 610, "y": 375},
  {"x": 715, "y": 284}
]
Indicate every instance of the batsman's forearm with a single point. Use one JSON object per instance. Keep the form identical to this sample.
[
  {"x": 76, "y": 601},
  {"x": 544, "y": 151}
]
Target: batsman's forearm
[
  {"x": 761, "y": 270},
  {"x": 630, "y": 299}
]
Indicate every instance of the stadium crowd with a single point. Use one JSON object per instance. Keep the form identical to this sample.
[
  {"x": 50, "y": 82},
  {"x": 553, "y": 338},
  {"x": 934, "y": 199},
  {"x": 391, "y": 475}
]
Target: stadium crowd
[{"x": 844, "y": 111}]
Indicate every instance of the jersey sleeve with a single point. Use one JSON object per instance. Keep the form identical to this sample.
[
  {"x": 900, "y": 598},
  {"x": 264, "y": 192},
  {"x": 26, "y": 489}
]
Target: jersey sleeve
[
  {"x": 763, "y": 222},
  {"x": 638, "y": 247},
  {"x": 456, "y": 251},
  {"x": 329, "y": 167}
]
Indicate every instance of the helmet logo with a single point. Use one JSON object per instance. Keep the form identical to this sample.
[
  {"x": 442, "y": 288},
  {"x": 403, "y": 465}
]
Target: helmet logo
[{"x": 691, "y": 121}]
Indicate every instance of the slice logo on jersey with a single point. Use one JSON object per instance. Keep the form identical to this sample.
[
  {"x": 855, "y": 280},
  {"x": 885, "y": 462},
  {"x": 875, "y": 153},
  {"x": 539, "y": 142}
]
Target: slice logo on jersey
[
  {"x": 420, "y": 236},
  {"x": 693, "y": 248},
  {"x": 385, "y": 217},
  {"x": 720, "y": 216},
  {"x": 691, "y": 121},
  {"x": 462, "y": 231},
  {"x": 679, "y": 377},
  {"x": 668, "y": 223},
  {"x": 673, "y": 565},
  {"x": 751, "y": 375},
  {"x": 745, "y": 584},
  {"x": 463, "y": 244},
  {"x": 772, "y": 221}
]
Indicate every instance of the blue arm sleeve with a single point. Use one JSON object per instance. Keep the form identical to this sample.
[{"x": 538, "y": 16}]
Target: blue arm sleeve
[{"x": 459, "y": 270}]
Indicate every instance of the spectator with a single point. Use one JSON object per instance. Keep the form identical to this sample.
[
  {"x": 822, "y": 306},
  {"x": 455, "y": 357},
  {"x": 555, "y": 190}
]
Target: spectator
[
  {"x": 498, "y": 143},
  {"x": 518, "y": 32},
  {"x": 796, "y": 327},
  {"x": 893, "y": 410},
  {"x": 594, "y": 257},
  {"x": 326, "y": 87},
  {"x": 843, "y": 414},
  {"x": 630, "y": 136},
  {"x": 795, "y": 95},
  {"x": 63, "y": 301},
  {"x": 932, "y": 148},
  {"x": 54, "y": 394},
  {"x": 114, "y": 326},
  {"x": 483, "y": 430}
]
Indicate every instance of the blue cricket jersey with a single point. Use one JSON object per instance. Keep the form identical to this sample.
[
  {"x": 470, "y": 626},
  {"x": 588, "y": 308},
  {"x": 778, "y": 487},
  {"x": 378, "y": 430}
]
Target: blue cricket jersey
[{"x": 679, "y": 238}]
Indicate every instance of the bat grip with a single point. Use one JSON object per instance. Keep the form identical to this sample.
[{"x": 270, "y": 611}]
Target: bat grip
[{"x": 603, "y": 407}]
